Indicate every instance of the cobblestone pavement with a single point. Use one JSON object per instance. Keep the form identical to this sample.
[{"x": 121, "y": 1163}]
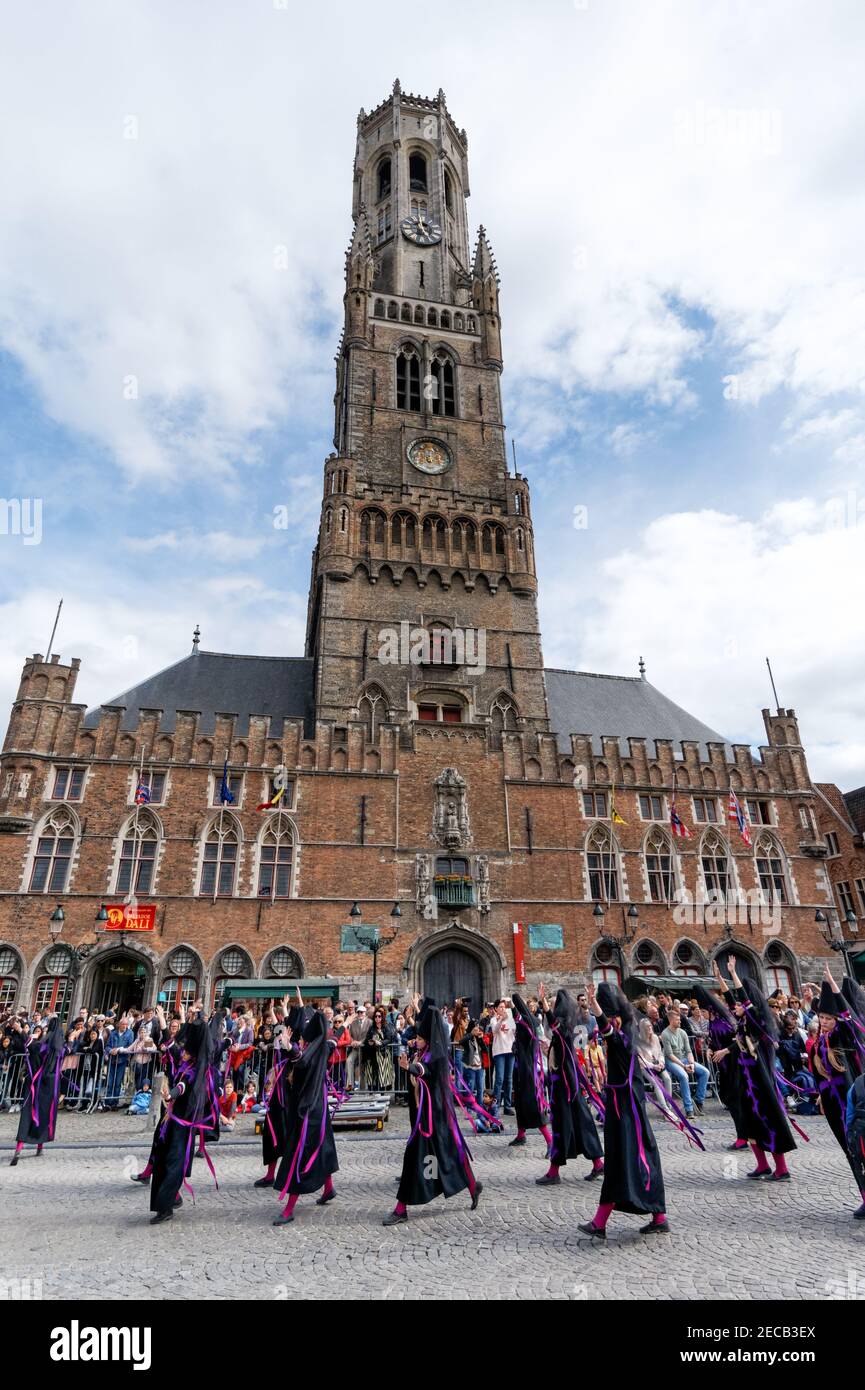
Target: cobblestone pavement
[{"x": 73, "y": 1221}]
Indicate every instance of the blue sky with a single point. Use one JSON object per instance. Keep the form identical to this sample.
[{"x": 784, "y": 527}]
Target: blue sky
[{"x": 674, "y": 198}]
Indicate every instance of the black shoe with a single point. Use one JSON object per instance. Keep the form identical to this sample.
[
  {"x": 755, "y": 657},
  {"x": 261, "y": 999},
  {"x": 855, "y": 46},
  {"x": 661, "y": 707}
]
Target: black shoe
[
  {"x": 13, "y": 1162},
  {"x": 548, "y": 1180},
  {"x": 759, "y": 1173},
  {"x": 588, "y": 1228},
  {"x": 282, "y": 1219},
  {"x": 323, "y": 1201},
  {"x": 161, "y": 1216},
  {"x": 509, "y": 1110},
  {"x": 698, "y": 1108},
  {"x": 518, "y": 1142},
  {"x": 263, "y": 1182},
  {"x": 859, "y": 1214},
  {"x": 178, "y": 1201},
  {"x": 479, "y": 1187},
  {"x": 736, "y": 1148},
  {"x": 395, "y": 1218},
  {"x": 139, "y": 1177},
  {"x": 594, "y": 1173},
  {"x": 779, "y": 1177},
  {"x": 656, "y": 1228}
]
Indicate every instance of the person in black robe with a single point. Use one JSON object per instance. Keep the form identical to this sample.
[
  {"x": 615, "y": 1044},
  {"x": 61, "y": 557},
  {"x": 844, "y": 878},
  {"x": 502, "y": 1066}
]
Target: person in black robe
[
  {"x": 575, "y": 1133},
  {"x": 721, "y": 1040},
  {"x": 855, "y": 1125},
  {"x": 633, "y": 1179},
  {"x": 437, "y": 1161},
  {"x": 530, "y": 1097},
  {"x": 38, "y": 1120},
  {"x": 192, "y": 1106},
  {"x": 308, "y": 1159},
  {"x": 836, "y": 1062},
  {"x": 764, "y": 1118},
  {"x": 171, "y": 1057},
  {"x": 274, "y": 1133}
]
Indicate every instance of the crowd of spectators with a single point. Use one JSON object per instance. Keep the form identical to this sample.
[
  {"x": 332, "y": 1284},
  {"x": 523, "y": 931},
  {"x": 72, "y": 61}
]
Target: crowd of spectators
[{"x": 110, "y": 1059}]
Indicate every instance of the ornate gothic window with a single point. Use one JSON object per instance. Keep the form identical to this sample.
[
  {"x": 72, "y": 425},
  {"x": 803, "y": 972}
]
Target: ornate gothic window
[
  {"x": 383, "y": 179},
  {"x": 371, "y": 710},
  {"x": 276, "y": 857},
  {"x": 659, "y": 868},
  {"x": 440, "y": 385},
  {"x": 372, "y": 527},
  {"x": 449, "y": 193},
  {"x": 219, "y": 859},
  {"x": 771, "y": 872},
  {"x": 603, "y": 864},
  {"x": 55, "y": 846},
  {"x": 715, "y": 865},
  {"x": 138, "y": 852},
  {"x": 407, "y": 378}
]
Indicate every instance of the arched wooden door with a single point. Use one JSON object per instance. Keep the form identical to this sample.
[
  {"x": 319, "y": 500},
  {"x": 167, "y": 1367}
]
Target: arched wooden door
[{"x": 454, "y": 974}]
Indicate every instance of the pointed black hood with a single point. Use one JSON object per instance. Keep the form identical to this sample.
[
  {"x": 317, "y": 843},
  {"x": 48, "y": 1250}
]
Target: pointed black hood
[
  {"x": 830, "y": 1002},
  {"x": 708, "y": 999},
  {"x": 614, "y": 1002}
]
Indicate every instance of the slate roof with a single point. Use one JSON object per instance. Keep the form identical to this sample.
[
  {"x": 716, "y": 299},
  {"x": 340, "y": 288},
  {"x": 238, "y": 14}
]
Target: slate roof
[
  {"x": 855, "y": 803},
  {"x": 222, "y": 683},
  {"x": 628, "y": 706}
]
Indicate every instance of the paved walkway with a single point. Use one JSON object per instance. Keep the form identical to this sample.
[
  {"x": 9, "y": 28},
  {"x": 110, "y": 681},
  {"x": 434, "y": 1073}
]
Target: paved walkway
[{"x": 74, "y": 1225}]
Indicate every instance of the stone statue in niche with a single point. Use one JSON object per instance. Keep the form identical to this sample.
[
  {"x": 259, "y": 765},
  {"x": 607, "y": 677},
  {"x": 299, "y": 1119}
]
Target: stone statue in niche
[
  {"x": 483, "y": 882},
  {"x": 451, "y": 813}
]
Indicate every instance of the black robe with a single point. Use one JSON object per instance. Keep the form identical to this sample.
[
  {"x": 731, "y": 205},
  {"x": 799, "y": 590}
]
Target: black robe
[
  {"x": 309, "y": 1151},
  {"x": 856, "y": 1134},
  {"x": 764, "y": 1119},
  {"x": 633, "y": 1180},
  {"x": 575, "y": 1133},
  {"x": 174, "y": 1143},
  {"x": 436, "y": 1162},
  {"x": 723, "y": 1035},
  {"x": 38, "y": 1119},
  {"x": 170, "y": 1064},
  {"x": 530, "y": 1101},
  {"x": 835, "y": 1064},
  {"x": 274, "y": 1132}
]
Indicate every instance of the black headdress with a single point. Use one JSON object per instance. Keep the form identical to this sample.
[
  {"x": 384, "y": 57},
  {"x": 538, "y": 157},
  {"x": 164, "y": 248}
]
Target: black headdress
[
  {"x": 522, "y": 1008},
  {"x": 565, "y": 1014},
  {"x": 613, "y": 1002},
  {"x": 53, "y": 1037},
  {"x": 762, "y": 1015},
  {"x": 830, "y": 1002},
  {"x": 311, "y": 1068},
  {"x": 855, "y": 996},
  {"x": 432, "y": 1028},
  {"x": 708, "y": 999}
]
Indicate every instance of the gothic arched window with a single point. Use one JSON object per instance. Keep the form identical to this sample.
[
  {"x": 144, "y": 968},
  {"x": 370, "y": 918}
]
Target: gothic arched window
[
  {"x": 771, "y": 870},
  {"x": 383, "y": 179},
  {"x": 603, "y": 864},
  {"x": 275, "y": 858},
  {"x": 219, "y": 859},
  {"x": 659, "y": 868},
  {"x": 417, "y": 179},
  {"x": 441, "y": 385},
  {"x": 407, "y": 378},
  {"x": 371, "y": 710},
  {"x": 138, "y": 851},
  {"x": 715, "y": 865},
  {"x": 55, "y": 845},
  {"x": 449, "y": 193}
]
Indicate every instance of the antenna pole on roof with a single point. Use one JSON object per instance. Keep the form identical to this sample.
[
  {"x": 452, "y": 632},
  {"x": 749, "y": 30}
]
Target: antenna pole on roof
[
  {"x": 514, "y": 452},
  {"x": 54, "y": 631},
  {"x": 196, "y": 638},
  {"x": 774, "y": 691},
  {"x": 642, "y": 669}
]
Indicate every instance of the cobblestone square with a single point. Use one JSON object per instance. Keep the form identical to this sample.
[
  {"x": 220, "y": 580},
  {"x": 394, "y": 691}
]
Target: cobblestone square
[{"x": 74, "y": 1225}]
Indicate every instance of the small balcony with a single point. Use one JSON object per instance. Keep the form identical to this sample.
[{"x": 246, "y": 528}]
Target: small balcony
[{"x": 454, "y": 890}]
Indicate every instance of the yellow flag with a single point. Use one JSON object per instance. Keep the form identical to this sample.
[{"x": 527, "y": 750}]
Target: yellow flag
[{"x": 615, "y": 817}]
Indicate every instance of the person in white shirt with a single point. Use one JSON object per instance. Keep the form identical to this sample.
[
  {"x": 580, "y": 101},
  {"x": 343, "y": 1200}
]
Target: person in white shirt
[{"x": 503, "y": 1031}]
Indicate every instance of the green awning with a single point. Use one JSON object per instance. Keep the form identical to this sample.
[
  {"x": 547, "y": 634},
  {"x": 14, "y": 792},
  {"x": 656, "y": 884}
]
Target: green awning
[{"x": 324, "y": 988}]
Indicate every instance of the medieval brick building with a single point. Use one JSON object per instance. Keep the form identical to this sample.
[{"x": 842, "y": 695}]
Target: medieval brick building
[{"x": 418, "y": 755}]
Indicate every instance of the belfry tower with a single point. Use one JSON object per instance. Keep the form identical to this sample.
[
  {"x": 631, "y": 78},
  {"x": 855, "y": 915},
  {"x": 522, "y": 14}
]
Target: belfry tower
[{"x": 423, "y": 528}]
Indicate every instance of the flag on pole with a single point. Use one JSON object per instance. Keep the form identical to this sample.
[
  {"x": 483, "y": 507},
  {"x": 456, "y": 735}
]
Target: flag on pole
[
  {"x": 142, "y": 795},
  {"x": 226, "y": 795},
  {"x": 737, "y": 817},
  {"x": 274, "y": 801},
  {"x": 677, "y": 825},
  {"x": 614, "y": 815}
]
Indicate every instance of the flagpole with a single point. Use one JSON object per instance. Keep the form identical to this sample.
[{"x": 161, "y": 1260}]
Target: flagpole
[{"x": 132, "y": 896}]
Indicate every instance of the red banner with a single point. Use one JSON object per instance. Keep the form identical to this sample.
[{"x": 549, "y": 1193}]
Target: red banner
[
  {"x": 519, "y": 954},
  {"x": 122, "y": 917}
]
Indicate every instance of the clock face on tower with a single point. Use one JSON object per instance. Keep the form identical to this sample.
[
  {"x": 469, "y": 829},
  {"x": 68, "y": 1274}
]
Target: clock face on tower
[
  {"x": 429, "y": 456},
  {"x": 419, "y": 231}
]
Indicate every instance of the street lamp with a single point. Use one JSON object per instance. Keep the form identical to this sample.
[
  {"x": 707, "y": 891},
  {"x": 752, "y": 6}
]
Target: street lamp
[
  {"x": 630, "y": 926},
  {"x": 373, "y": 938},
  {"x": 836, "y": 940},
  {"x": 101, "y": 916},
  {"x": 55, "y": 921}
]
